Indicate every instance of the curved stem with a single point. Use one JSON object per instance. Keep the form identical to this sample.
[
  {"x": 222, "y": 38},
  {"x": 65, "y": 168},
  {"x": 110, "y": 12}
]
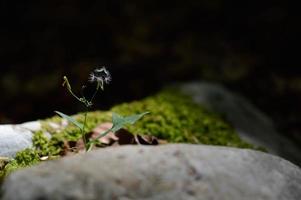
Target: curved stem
[
  {"x": 97, "y": 87},
  {"x": 74, "y": 95},
  {"x": 66, "y": 81}
]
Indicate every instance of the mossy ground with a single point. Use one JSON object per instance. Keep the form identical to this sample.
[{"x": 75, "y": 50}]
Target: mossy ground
[{"x": 173, "y": 117}]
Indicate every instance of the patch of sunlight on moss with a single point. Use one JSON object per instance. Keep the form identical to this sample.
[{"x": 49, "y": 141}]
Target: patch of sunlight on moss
[{"x": 176, "y": 118}]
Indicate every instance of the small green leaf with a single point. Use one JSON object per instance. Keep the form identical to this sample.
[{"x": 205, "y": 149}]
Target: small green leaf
[
  {"x": 70, "y": 119},
  {"x": 133, "y": 118},
  {"x": 119, "y": 121}
]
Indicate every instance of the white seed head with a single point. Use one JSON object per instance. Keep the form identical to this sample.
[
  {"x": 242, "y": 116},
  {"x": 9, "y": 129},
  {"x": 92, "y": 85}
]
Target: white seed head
[
  {"x": 92, "y": 77},
  {"x": 108, "y": 79},
  {"x": 101, "y": 76},
  {"x": 102, "y": 69}
]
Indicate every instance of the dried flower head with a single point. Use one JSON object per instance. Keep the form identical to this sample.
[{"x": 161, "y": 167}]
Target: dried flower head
[{"x": 101, "y": 76}]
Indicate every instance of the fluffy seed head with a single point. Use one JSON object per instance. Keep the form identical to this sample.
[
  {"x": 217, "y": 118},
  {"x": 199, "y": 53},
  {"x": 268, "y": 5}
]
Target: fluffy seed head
[{"x": 101, "y": 76}]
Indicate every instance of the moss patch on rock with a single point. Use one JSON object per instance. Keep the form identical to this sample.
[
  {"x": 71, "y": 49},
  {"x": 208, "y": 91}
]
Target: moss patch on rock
[
  {"x": 24, "y": 158},
  {"x": 173, "y": 117},
  {"x": 176, "y": 118}
]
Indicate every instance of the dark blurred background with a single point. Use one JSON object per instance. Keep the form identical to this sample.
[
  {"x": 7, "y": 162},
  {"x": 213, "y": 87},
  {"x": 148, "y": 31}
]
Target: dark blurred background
[{"x": 248, "y": 46}]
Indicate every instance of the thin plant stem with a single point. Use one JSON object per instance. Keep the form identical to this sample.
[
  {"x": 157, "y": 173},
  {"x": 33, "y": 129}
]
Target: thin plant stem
[
  {"x": 97, "y": 87},
  {"x": 74, "y": 95},
  {"x": 93, "y": 96},
  {"x": 83, "y": 131},
  {"x": 66, "y": 81}
]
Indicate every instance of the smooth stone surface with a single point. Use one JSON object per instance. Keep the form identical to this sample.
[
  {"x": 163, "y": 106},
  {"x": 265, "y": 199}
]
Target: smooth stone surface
[
  {"x": 174, "y": 171},
  {"x": 14, "y": 138},
  {"x": 250, "y": 123}
]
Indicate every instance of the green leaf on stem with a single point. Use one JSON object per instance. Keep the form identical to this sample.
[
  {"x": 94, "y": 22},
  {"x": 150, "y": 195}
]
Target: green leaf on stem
[
  {"x": 70, "y": 119},
  {"x": 120, "y": 121}
]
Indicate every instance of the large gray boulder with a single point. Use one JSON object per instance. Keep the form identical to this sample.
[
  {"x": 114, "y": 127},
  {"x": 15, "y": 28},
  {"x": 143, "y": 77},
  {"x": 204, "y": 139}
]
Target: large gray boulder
[
  {"x": 176, "y": 171},
  {"x": 251, "y": 124},
  {"x": 14, "y": 138}
]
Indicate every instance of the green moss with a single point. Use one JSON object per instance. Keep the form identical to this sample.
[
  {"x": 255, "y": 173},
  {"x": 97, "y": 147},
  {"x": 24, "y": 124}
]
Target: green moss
[
  {"x": 173, "y": 117},
  {"x": 48, "y": 147},
  {"x": 24, "y": 158},
  {"x": 41, "y": 142}
]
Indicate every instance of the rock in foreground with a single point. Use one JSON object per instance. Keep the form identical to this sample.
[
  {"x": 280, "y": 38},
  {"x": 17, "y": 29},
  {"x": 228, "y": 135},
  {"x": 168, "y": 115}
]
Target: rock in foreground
[{"x": 176, "y": 171}]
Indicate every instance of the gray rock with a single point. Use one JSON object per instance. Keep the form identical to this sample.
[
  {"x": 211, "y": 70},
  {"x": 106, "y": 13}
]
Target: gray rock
[
  {"x": 177, "y": 171},
  {"x": 14, "y": 138},
  {"x": 250, "y": 123}
]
